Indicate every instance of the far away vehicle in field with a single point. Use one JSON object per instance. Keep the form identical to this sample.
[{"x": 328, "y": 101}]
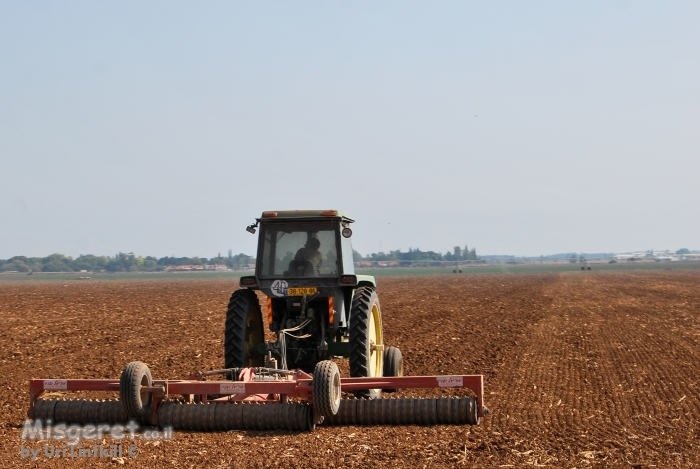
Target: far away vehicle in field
[{"x": 318, "y": 309}]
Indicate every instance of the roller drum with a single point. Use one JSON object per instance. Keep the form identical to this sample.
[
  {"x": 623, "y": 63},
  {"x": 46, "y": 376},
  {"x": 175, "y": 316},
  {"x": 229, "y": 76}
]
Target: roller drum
[
  {"x": 112, "y": 412},
  {"x": 91, "y": 408},
  {"x": 44, "y": 410},
  {"x": 249, "y": 416},
  {"x": 119, "y": 414},
  {"x": 406, "y": 411},
  {"x": 235, "y": 416},
  {"x": 188, "y": 416},
  {"x": 472, "y": 411},
  {"x": 179, "y": 416},
  {"x": 61, "y": 411},
  {"x": 175, "y": 414},
  {"x": 212, "y": 421},
  {"x": 165, "y": 414},
  {"x": 211, "y": 416},
  {"x": 184, "y": 420},
  {"x": 75, "y": 409},
  {"x": 295, "y": 417},
  {"x": 272, "y": 416},
  {"x": 457, "y": 411},
  {"x": 376, "y": 413},
  {"x": 220, "y": 416},
  {"x": 194, "y": 415},
  {"x": 232, "y": 417},
  {"x": 80, "y": 411},
  {"x": 346, "y": 415},
  {"x": 286, "y": 415},
  {"x": 447, "y": 413},
  {"x": 305, "y": 419},
  {"x": 425, "y": 411},
  {"x": 255, "y": 417},
  {"x": 364, "y": 412},
  {"x": 178, "y": 409},
  {"x": 201, "y": 422},
  {"x": 100, "y": 412}
]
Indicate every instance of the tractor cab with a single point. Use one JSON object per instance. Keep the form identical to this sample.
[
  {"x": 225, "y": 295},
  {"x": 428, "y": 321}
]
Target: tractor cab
[
  {"x": 304, "y": 248},
  {"x": 299, "y": 250}
]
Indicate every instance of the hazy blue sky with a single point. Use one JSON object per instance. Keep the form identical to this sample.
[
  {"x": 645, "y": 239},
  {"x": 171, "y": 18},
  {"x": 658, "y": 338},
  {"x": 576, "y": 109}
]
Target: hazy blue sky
[{"x": 525, "y": 128}]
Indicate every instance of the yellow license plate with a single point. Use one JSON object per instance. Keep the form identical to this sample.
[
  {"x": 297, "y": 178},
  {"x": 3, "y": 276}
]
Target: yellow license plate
[{"x": 300, "y": 291}]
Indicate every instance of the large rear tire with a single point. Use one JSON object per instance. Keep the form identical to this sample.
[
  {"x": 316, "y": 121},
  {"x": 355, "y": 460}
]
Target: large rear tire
[
  {"x": 243, "y": 331},
  {"x": 366, "y": 339}
]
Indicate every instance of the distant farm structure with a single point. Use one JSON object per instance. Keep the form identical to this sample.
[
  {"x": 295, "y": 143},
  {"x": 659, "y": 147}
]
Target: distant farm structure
[{"x": 196, "y": 267}]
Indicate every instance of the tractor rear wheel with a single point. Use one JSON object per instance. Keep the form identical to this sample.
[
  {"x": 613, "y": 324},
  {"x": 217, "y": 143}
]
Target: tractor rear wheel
[
  {"x": 243, "y": 330},
  {"x": 366, "y": 339},
  {"x": 393, "y": 364}
]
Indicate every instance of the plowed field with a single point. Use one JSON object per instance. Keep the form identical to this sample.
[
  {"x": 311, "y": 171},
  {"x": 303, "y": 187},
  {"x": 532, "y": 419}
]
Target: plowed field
[{"x": 584, "y": 369}]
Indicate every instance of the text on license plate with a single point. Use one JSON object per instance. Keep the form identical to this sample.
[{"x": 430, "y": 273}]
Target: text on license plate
[{"x": 300, "y": 291}]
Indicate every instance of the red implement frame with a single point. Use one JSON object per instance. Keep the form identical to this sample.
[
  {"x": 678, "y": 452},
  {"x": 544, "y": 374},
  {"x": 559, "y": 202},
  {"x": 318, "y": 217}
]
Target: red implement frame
[{"x": 296, "y": 385}]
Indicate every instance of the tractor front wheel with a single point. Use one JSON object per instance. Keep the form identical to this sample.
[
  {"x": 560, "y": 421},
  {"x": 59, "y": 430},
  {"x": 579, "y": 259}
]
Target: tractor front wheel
[
  {"x": 366, "y": 339},
  {"x": 243, "y": 331}
]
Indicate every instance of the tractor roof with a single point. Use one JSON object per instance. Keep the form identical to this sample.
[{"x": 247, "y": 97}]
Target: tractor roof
[{"x": 306, "y": 214}]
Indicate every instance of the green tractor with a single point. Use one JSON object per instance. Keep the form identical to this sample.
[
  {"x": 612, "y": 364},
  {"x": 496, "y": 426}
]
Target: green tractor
[{"x": 315, "y": 304}]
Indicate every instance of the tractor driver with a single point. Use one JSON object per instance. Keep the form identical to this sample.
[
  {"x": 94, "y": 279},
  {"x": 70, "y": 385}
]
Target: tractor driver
[{"x": 310, "y": 253}]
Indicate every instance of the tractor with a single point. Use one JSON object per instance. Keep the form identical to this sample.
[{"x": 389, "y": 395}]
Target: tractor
[
  {"x": 318, "y": 309},
  {"x": 314, "y": 302}
]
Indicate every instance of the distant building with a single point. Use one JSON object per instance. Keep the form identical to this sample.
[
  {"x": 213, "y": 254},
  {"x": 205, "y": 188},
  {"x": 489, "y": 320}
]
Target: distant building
[
  {"x": 666, "y": 258},
  {"x": 658, "y": 256},
  {"x": 192, "y": 267}
]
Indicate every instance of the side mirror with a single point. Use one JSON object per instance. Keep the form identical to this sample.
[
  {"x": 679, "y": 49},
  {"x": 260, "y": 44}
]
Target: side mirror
[{"x": 251, "y": 229}]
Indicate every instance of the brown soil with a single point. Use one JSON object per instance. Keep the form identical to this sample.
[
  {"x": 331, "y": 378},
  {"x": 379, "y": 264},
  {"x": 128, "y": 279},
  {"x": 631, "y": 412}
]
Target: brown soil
[{"x": 588, "y": 369}]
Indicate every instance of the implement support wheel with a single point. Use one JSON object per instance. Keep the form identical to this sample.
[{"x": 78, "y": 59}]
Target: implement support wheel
[
  {"x": 366, "y": 339},
  {"x": 326, "y": 389},
  {"x": 393, "y": 364},
  {"x": 243, "y": 331},
  {"x": 136, "y": 403}
]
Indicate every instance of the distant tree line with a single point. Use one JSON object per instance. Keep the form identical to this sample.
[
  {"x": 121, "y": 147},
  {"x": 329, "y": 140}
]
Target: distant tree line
[
  {"x": 457, "y": 254},
  {"x": 122, "y": 262},
  {"x": 129, "y": 262}
]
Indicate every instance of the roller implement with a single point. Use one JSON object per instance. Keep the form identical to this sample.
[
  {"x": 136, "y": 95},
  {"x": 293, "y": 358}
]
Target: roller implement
[{"x": 319, "y": 310}]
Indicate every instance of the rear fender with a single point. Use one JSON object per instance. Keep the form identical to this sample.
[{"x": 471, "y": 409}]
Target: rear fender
[{"x": 366, "y": 281}]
